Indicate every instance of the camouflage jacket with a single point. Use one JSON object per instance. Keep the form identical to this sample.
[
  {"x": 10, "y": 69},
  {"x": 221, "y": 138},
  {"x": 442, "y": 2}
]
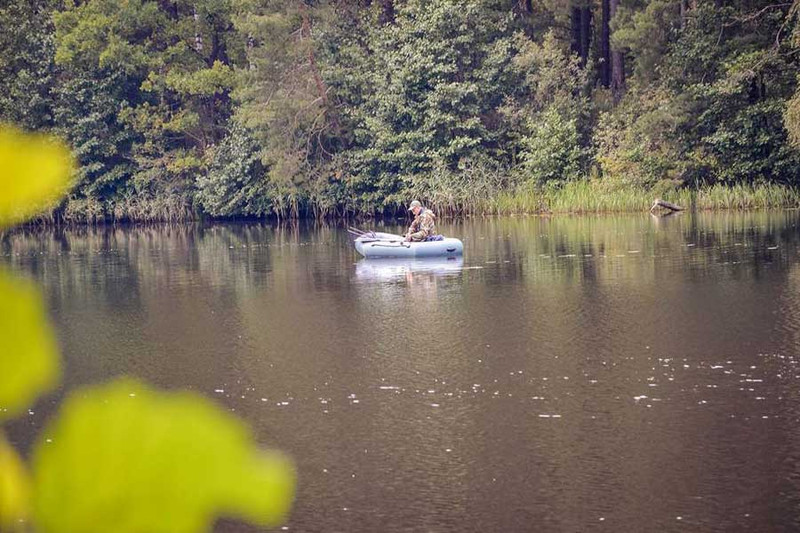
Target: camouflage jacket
[{"x": 423, "y": 225}]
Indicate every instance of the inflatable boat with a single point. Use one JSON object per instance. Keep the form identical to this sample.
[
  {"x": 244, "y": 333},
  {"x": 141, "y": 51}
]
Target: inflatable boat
[{"x": 376, "y": 244}]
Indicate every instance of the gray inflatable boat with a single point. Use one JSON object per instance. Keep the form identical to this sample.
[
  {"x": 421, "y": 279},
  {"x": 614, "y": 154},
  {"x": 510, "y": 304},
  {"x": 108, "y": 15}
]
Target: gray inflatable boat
[{"x": 376, "y": 244}]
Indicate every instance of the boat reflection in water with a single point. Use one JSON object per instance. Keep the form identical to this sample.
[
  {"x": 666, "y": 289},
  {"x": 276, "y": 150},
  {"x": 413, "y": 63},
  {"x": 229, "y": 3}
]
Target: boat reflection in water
[{"x": 406, "y": 268}]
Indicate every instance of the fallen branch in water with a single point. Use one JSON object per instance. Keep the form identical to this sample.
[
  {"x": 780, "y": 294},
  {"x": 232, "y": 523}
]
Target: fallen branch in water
[{"x": 666, "y": 205}]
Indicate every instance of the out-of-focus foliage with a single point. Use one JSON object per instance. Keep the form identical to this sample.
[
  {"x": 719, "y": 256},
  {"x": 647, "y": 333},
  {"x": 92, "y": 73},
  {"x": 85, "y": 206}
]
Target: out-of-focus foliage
[
  {"x": 352, "y": 106},
  {"x": 35, "y": 174},
  {"x": 15, "y": 488},
  {"x": 122, "y": 457},
  {"x": 29, "y": 365}
]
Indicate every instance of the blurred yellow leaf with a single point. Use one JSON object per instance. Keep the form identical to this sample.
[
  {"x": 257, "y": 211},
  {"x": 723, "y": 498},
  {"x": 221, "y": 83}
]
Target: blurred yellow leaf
[
  {"x": 35, "y": 173},
  {"x": 124, "y": 458},
  {"x": 14, "y": 488},
  {"x": 29, "y": 363}
]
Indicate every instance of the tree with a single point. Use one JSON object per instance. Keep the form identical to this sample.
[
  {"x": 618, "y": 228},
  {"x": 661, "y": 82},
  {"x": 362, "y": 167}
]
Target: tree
[
  {"x": 171, "y": 66},
  {"x": 433, "y": 84},
  {"x": 27, "y": 73}
]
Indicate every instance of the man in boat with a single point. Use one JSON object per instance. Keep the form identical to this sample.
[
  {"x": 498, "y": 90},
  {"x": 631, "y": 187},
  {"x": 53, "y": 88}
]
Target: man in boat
[{"x": 423, "y": 225}]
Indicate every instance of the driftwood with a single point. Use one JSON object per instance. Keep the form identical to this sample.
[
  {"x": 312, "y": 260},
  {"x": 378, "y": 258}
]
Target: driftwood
[{"x": 666, "y": 205}]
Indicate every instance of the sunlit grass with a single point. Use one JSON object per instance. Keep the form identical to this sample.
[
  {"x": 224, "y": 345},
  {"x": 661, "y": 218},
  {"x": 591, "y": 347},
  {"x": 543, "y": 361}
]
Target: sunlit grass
[{"x": 596, "y": 197}]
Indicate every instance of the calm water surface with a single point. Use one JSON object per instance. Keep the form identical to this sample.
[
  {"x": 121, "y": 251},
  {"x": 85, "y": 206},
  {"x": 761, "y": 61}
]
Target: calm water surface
[{"x": 570, "y": 374}]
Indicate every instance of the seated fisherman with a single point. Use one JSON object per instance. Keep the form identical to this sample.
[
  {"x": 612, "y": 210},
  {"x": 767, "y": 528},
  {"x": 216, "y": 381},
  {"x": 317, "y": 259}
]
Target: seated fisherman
[{"x": 423, "y": 225}]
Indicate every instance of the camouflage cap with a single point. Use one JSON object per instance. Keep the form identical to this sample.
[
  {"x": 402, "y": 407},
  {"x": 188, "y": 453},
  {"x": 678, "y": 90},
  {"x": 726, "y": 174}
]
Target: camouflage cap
[{"x": 414, "y": 204}]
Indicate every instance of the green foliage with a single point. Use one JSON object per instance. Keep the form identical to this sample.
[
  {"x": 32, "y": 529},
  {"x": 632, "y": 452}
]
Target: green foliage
[
  {"x": 551, "y": 112},
  {"x": 637, "y": 142},
  {"x": 552, "y": 150},
  {"x": 351, "y": 107},
  {"x": 36, "y": 172},
  {"x": 125, "y": 458},
  {"x": 27, "y": 73},
  {"x": 791, "y": 119},
  {"x": 595, "y": 197},
  {"x": 469, "y": 187},
  {"x": 752, "y": 146},
  {"x": 87, "y": 114},
  {"x": 647, "y": 32},
  {"x": 236, "y": 182},
  {"x": 436, "y": 80},
  {"x": 150, "y": 94}
]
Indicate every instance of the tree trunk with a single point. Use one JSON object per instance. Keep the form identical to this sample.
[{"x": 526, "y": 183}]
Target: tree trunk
[
  {"x": 251, "y": 42},
  {"x": 312, "y": 63},
  {"x": 522, "y": 7},
  {"x": 617, "y": 62},
  {"x": 198, "y": 39},
  {"x": 605, "y": 45},
  {"x": 305, "y": 33},
  {"x": 219, "y": 52},
  {"x": 575, "y": 24},
  {"x": 171, "y": 8},
  {"x": 387, "y": 12},
  {"x": 581, "y": 19},
  {"x": 684, "y": 7},
  {"x": 586, "y": 33}
]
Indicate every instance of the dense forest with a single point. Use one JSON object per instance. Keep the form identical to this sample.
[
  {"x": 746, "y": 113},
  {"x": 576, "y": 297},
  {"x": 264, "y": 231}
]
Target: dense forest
[{"x": 178, "y": 109}]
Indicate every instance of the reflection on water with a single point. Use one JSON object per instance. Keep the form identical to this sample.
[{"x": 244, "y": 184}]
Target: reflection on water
[
  {"x": 408, "y": 269},
  {"x": 569, "y": 373}
]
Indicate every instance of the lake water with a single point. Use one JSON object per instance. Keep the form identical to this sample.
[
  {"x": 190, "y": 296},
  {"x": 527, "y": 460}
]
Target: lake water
[{"x": 569, "y": 374}]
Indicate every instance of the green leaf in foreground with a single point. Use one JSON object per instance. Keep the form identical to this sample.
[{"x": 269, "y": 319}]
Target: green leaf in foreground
[
  {"x": 14, "y": 488},
  {"x": 35, "y": 173},
  {"x": 29, "y": 363},
  {"x": 124, "y": 458}
]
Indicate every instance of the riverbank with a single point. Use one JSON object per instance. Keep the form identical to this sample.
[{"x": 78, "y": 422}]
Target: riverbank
[{"x": 580, "y": 197}]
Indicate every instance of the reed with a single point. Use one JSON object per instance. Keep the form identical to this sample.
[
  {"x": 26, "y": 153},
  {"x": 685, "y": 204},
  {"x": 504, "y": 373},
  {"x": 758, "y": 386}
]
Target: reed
[
  {"x": 591, "y": 197},
  {"x": 90, "y": 210},
  {"x": 747, "y": 197},
  {"x": 480, "y": 192}
]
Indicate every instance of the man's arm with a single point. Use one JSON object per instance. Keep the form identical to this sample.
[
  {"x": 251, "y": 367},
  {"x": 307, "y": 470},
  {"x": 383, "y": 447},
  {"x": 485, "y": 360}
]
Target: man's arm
[{"x": 413, "y": 228}]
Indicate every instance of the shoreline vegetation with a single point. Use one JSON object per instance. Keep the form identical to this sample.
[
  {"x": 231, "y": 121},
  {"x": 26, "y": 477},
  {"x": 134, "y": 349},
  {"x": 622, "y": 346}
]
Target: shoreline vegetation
[
  {"x": 347, "y": 109},
  {"x": 575, "y": 198}
]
